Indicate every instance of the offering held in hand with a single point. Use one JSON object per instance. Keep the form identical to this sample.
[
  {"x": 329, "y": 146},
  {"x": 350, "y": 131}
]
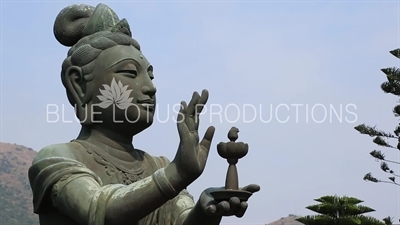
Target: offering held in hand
[{"x": 232, "y": 151}]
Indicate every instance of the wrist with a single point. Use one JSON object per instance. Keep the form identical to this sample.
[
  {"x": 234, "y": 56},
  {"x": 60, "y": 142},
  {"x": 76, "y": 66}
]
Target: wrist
[
  {"x": 174, "y": 177},
  {"x": 164, "y": 184}
]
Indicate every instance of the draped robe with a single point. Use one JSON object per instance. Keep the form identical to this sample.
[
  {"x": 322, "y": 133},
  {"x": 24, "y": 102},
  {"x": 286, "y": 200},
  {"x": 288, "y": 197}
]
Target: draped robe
[{"x": 56, "y": 165}]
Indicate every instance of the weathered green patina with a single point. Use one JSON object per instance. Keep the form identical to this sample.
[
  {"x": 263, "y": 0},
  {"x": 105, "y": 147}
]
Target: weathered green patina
[{"x": 100, "y": 177}]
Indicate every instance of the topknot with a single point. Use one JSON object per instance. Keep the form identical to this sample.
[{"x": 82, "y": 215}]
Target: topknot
[
  {"x": 70, "y": 23},
  {"x": 75, "y": 22}
]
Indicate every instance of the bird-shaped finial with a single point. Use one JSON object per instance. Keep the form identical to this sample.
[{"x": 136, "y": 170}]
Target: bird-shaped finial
[{"x": 233, "y": 134}]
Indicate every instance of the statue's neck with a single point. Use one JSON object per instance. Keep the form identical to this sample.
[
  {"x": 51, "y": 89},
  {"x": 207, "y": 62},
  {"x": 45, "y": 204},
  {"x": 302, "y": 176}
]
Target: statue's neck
[{"x": 106, "y": 137}]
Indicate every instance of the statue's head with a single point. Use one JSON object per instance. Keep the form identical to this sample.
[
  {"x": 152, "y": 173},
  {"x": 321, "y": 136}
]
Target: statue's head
[{"x": 107, "y": 78}]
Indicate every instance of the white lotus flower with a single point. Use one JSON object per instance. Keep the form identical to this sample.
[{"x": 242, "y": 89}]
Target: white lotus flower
[{"x": 115, "y": 94}]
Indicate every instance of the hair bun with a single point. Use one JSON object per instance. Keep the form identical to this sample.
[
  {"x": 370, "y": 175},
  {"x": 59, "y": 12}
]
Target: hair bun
[{"x": 70, "y": 23}]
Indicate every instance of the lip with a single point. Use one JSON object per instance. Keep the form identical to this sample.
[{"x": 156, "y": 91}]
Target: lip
[
  {"x": 148, "y": 107},
  {"x": 146, "y": 101}
]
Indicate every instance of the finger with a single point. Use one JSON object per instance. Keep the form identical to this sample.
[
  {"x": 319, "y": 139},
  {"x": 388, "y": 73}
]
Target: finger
[
  {"x": 182, "y": 128},
  {"x": 202, "y": 101},
  {"x": 211, "y": 210},
  {"x": 207, "y": 139},
  {"x": 196, "y": 122},
  {"x": 182, "y": 113},
  {"x": 199, "y": 107},
  {"x": 234, "y": 204},
  {"x": 222, "y": 208},
  {"x": 190, "y": 119},
  {"x": 190, "y": 123},
  {"x": 241, "y": 209},
  {"x": 192, "y": 104},
  {"x": 251, "y": 188}
]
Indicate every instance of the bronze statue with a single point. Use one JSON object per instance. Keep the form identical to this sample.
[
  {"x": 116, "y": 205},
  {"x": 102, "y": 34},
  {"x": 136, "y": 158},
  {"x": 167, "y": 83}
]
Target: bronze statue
[{"x": 100, "y": 177}]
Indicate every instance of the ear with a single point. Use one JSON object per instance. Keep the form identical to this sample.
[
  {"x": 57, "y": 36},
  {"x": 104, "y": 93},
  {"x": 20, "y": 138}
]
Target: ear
[{"x": 74, "y": 82}]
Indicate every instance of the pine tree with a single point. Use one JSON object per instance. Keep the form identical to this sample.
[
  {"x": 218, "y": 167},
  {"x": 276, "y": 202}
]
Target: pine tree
[
  {"x": 381, "y": 138},
  {"x": 335, "y": 210}
]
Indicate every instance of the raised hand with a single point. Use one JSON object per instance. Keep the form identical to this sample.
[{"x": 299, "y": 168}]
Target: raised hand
[{"x": 192, "y": 155}]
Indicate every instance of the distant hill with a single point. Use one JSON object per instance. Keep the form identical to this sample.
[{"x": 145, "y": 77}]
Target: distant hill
[
  {"x": 15, "y": 193},
  {"x": 290, "y": 220}
]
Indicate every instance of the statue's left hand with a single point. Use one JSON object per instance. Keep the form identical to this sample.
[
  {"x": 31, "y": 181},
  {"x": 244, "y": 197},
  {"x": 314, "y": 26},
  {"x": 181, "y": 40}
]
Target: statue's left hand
[{"x": 233, "y": 207}]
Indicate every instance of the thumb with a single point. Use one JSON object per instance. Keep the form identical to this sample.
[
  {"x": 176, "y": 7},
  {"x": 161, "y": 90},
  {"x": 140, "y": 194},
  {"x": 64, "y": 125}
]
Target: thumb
[
  {"x": 251, "y": 188},
  {"x": 207, "y": 139}
]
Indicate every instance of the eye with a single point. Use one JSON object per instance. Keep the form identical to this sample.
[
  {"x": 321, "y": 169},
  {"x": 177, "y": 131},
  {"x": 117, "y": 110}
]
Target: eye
[
  {"x": 151, "y": 75},
  {"x": 150, "y": 72},
  {"x": 129, "y": 73}
]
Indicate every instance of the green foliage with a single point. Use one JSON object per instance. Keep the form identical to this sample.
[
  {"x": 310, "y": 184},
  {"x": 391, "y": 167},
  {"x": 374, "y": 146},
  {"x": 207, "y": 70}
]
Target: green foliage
[
  {"x": 335, "y": 210},
  {"x": 15, "y": 193},
  {"x": 14, "y": 210},
  {"x": 388, "y": 220},
  {"x": 382, "y": 138}
]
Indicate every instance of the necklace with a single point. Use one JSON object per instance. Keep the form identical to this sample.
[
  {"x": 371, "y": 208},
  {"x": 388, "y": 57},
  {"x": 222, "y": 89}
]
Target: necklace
[{"x": 117, "y": 172}]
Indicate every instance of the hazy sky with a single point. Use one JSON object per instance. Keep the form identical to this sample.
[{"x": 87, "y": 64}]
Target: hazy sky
[{"x": 262, "y": 57}]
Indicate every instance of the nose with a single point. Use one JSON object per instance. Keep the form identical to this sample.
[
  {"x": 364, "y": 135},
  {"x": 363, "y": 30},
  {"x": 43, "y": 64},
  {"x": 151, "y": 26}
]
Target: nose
[{"x": 149, "y": 90}]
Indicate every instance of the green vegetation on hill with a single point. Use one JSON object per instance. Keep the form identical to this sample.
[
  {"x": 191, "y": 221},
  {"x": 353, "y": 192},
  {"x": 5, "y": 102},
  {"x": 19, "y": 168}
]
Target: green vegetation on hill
[{"x": 15, "y": 192}]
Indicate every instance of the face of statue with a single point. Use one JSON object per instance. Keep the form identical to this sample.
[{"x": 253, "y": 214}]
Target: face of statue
[{"x": 123, "y": 92}]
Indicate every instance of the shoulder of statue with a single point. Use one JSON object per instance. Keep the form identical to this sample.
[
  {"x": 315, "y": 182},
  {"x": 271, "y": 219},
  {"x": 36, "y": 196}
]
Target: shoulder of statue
[
  {"x": 161, "y": 161},
  {"x": 52, "y": 164},
  {"x": 65, "y": 150}
]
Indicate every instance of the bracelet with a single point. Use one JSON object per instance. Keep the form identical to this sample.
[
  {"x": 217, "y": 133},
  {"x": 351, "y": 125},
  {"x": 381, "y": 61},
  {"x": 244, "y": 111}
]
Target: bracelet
[{"x": 163, "y": 184}]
